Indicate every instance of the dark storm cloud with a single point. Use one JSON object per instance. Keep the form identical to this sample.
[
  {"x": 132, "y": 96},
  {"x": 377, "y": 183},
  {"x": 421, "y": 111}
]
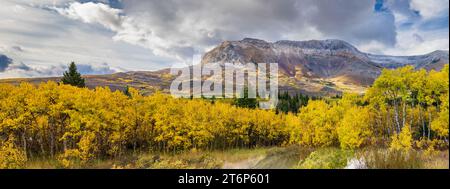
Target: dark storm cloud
[
  {"x": 94, "y": 70},
  {"x": 204, "y": 23},
  {"x": 355, "y": 21},
  {"x": 209, "y": 22},
  {"x": 271, "y": 18},
  {"x": 20, "y": 66},
  {"x": 4, "y": 62}
]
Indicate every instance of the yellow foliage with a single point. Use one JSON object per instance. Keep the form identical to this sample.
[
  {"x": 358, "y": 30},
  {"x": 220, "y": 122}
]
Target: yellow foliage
[
  {"x": 317, "y": 125},
  {"x": 402, "y": 141},
  {"x": 10, "y": 156},
  {"x": 440, "y": 125},
  {"x": 354, "y": 128},
  {"x": 81, "y": 124},
  {"x": 82, "y": 155},
  {"x": 70, "y": 158},
  {"x": 429, "y": 147}
]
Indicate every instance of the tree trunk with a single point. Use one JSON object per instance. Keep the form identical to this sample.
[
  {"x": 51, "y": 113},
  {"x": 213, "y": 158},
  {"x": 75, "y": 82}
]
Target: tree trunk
[
  {"x": 396, "y": 116},
  {"x": 64, "y": 145},
  {"x": 404, "y": 114},
  {"x": 52, "y": 144},
  {"x": 52, "y": 136},
  {"x": 422, "y": 120},
  {"x": 429, "y": 125},
  {"x": 24, "y": 141},
  {"x": 412, "y": 117},
  {"x": 388, "y": 121}
]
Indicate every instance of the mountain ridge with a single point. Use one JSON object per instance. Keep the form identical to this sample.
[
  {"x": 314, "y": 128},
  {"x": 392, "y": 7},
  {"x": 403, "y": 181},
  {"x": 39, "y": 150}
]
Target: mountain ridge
[
  {"x": 330, "y": 46},
  {"x": 305, "y": 62}
]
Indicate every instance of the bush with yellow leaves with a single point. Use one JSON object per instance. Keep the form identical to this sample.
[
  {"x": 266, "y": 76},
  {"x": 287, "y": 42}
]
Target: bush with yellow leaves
[
  {"x": 10, "y": 156},
  {"x": 354, "y": 130},
  {"x": 402, "y": 141},
  {"x": 81, "y": 156}
]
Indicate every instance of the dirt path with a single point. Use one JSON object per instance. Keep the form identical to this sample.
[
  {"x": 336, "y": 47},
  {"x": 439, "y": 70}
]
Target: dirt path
[
  {"x": 245, "y": 164},
  {"x": 281, "y": 158}
]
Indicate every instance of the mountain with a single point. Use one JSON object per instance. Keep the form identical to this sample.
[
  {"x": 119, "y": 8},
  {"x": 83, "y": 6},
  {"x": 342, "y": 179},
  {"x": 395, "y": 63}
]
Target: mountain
[
  {"x": 323, "y": 67},
  {"x": 314, "y": 67},
  {"x": 146, "y": 82},
  {"x": 434, "y": 60}
]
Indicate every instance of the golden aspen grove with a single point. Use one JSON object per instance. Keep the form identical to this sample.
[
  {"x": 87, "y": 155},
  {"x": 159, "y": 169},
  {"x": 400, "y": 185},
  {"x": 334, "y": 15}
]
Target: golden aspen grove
[{"x": 404, "y": 110}]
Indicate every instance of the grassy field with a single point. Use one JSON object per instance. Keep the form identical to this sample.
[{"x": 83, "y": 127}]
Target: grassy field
[{"x": 292, "y": 157}]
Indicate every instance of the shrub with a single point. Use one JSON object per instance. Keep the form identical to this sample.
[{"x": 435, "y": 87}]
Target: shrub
[
  {"x": 147, "y": 161},
  {"x": 402, "y": 141},
  {"x": 393, "y": 159},
  {"x": 327, "y": 158},
  {"x": 354, "y": 129},
  {"x": 11, "y": 157}
]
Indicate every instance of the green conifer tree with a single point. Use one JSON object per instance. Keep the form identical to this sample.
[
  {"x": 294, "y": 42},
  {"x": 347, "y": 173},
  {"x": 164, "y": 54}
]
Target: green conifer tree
[{"x": 73, "y": 77}]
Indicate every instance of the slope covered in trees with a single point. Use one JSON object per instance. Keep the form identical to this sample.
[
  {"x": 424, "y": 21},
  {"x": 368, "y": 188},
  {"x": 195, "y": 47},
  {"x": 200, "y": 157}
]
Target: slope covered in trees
[{"x": 404, "y": 109}]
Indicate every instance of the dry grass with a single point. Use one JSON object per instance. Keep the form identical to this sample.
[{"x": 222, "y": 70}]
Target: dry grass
[
  {"x": 265, "y": 158},
  {"x": 386, "y": 159},
  {"x": 438, "y": 161},
  {"x": 413, "y": 159}
]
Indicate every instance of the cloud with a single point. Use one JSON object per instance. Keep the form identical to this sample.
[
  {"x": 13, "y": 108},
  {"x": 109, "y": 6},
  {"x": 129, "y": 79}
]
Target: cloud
[
  {"x": 10, "y": 68},
  {"x": 181, "y": 28},
  {"x": 4, "y": 62},
  {"x": 39, "y": 36},
  {"x": 154, "y": 34},
  {"x": 98, "y": 13},
  {"x": 89, "y": 69},
  {"x": 415, "y": 33},
  {"x": 180, "y": 24},
  {"x": 411, "y": 42},
  {"x": 430, "y": 8},
  {"x": 354, "y": 21},
  {"x": 19, "y": 69}
]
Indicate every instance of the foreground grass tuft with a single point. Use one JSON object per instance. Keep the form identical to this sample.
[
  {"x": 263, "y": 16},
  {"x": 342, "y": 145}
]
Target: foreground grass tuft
[
  {"x": 412, "y": 159},
  {"x": 326, "y": 158}
]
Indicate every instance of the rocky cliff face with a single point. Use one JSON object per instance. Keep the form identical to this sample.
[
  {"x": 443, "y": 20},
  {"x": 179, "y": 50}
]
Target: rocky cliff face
[{"x": 319, "y": 66}]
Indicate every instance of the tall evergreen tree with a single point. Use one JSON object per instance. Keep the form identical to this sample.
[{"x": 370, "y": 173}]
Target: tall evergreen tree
[
  {"x": 127, "y": 91},
  {"x": 73, "y": 77},
  {"x": 245, "y": 101}
]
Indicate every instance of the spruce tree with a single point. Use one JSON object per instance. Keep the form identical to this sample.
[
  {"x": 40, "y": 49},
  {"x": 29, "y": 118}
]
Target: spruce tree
[
  {"x": 73, "y": 77},
  {"x": 127, "y": 91},
  {"x": 245, "y": 101}
]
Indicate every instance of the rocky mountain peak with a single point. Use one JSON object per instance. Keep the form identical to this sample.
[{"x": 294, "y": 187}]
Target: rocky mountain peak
[
  {"x": 329, "y": 44},
  {"x": 312, "y": 62}
]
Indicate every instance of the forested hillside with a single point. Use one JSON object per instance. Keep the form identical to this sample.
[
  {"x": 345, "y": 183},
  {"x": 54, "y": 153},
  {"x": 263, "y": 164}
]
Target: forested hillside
[{"x": 404, "y": 110}]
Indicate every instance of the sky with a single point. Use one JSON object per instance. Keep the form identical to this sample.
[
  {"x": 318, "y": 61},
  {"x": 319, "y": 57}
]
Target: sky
[{"x": 41, "y": 37}]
